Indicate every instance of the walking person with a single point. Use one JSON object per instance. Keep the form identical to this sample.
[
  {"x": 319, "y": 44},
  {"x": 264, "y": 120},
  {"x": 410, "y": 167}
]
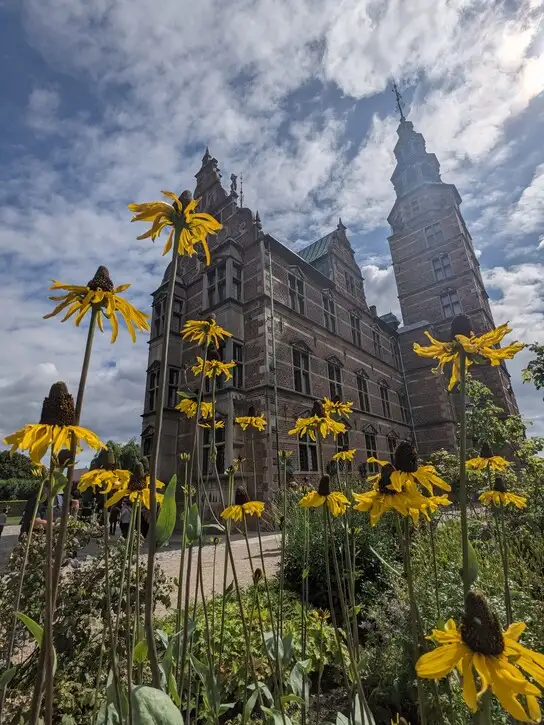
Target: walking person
[
  {"x": 124, "y": 518},
  {"x": 3, "y": 519},
  {"x": 114, "y": 518}
]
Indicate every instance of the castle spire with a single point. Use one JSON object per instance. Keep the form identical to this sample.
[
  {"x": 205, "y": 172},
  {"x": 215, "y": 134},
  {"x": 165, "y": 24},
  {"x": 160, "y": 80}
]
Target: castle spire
[
  {"x": 400, "y": 101},
  {"x": 206, "y": 157}
]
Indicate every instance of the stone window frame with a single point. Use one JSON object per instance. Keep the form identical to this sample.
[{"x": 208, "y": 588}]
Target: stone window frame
[
  {"x": 371, "y": 446},
  {"x": 300, "y": 348},
  {"x": 173, "y": 385},
  {"x": 152, "y": 386},
  {"x": 442, "y": 266},
  {"x": 434, "y": 233},
  {"x": 216, "y": 284},
  {"x": 385, "y": 397},
  {"x": 363, "y": 391},
  {"x": 238, "y": 371},
  {"x": 296, "y": 291},
  {"x": 393, "y": 439},
  {"x": 351, "y": 285},
  {"x": 336, "y": 387},
  {"x": 404, "y": 405},
  {"x": 220, "y": 446},
  {"x": 307, "y": 449},
  {"x": 329, "y": 311},
  {"x": 342, "y": 444},
  {"x": 450, "y": 303},
  {"x": 356, "y": 333},
  {"x": 147, "y": 436},
  {"x": 377, "y": 341}
]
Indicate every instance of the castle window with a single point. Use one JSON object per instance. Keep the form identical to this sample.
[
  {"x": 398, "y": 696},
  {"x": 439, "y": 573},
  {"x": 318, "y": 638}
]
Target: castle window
[
  {"x": 217, "y": 284},
  {"x": 386, "y": 405},
  {"x": 147, "y": 444},
  {"x": 442, "y": 267},
  {"x": 355, "y": 329},
  {"x": 342, "y": 444},
  {"x": 173, "y": 385},
  {"x": 301, "y": 371},
  {"x": 329, "y": 313},
  {"x": 296, "y": 293},
  {"x": 238, "y": 371},
  {"x": 307, "y": 454},
  {"x": 377, "y": 340},
  {"x": 158, "y": 323},
  {"x": 364, "y": 398},
  {"x": 434, "y": 233},
  {"x": 237, "y": 282},
  {"x": 391, "y": 444},
  {"x": 350, "y": 283},
  {"x": 207, "y": 462},
  {"x": 335, "y": 381},
  {"x": 450, "y": 303},
  {"x": 396, "y": 353},
  {"x": 177, "y": 308},
  {"x": 414, "y": 206},
  {"x": 371, "y": 451},
  {"x": 152, "y": 388},
  {"x": 404, "y": 409}
]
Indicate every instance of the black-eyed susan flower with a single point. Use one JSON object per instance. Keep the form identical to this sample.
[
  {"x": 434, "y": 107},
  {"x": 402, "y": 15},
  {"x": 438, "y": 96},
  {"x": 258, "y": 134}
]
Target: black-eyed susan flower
[
  {"x": 316, "y": 424},
  {"x": 476, "y": 348},
  {"x": 213, "y": 368},
  {"x": 336, "y": 407},
  {"x": 204, "y": 332},
  {"x": 193, "y": 227},
  {"x": 320, "y": 615},
  {"x": 190, "y": 407},
  {"x": 348, "y": 455},
  {"x": 242, "y": 507},
  {"x": 497, "y": 658},
  {"x": 335, "y": 501},
  {"x": 211, "y": 423},
  {"x": 500, "y": 496},
  {"x": 384, "y": 497},
  {"x": 486, "y": 460},
  {"x": 55, "y": 429},
  {"x": 284, "y": 455},
  {"x": 104, "y": 480},
  {"x": 252, "y": 421},
  {"x": 100, "y": 294},
  {"x": 137, "y": 489},
  {"x": 406, "y": 469}
]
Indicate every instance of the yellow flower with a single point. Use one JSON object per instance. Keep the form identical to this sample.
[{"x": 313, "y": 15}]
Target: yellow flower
[
  {"x": 323, "y": 425},
  {"x": 189, "y": 406},
  {"x": 204, "y": 331},
  {"x": 406, "y": 470},
  {"x": 99, "y": 294},
  {"x": 38, "y": 469},
  {"x": 242, "y": 507},
  {"x": 337, "y": 408},
  {"x": 284, "y": 455},
  {"x": 55, "y": 428},
  {"x": 137, "y": 489},
  {"x": 104, "y": 479},
  {"x": 497, "y": 657},
  {"x": 321, "y": 615},
  {"x": 180, "y": 215},
  {"x": 464, "y": 339},
  {"x": 255, "y": 421},
  {"x": 345, "y": 455},
  {"x": 336, "y": 502},
  {"x": 213, "y": 368},
  {"x": 486, "y": 460},
  {"x": 212, "y": 424},
  {"x": 499, "y": 496}
]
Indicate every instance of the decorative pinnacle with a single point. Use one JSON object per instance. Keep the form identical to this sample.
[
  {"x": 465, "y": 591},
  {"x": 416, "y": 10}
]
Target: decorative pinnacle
[
  {"x": 207, "y": 157},
  {"x": 258, "y": 223},
  {"x": 400, "y": 101},
  {"x": 341, "y": 226}
]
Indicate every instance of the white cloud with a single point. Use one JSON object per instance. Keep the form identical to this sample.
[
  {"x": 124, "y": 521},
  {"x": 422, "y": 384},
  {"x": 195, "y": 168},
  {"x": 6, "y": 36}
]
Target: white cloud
[{"x": 528, "y": 214}]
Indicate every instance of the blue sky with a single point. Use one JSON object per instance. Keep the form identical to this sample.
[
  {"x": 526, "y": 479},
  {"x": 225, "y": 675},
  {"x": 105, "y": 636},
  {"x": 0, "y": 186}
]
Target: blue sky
[{"x": 106, "y": 103}]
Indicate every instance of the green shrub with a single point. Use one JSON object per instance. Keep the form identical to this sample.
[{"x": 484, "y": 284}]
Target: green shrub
[{"x": 18, "y": 488}]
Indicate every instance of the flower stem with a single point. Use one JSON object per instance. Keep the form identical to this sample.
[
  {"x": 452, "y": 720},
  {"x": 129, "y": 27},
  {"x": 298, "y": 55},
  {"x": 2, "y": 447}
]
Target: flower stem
[
  {"x": 137, "y": 632},
  {"x": 282, "y": 554},
  {"x": 462, "y": 469},
  {"x": 319, "y": 674},
  {"x": 154, "y": 466},
  {"x": 132, "y": 527},
  {"x": 47, "y": 643},
  {"x": 183, "y": 546},
  {"x": 435, "y": 568},
  {"x": 506, "y": 570},
  {"x": 107, "y": 584},
  {"x": 19, "y": 594}
]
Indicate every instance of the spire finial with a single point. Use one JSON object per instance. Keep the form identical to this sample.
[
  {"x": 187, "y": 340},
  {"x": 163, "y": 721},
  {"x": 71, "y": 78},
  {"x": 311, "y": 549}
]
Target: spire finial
[
  {"x": 206, "y": 156},
  {"x": 241, "y": 190},
  {"x": 258, "y": 223},
  {"x": 400, "y": 102},
  {"x": 341, "y": 225}
]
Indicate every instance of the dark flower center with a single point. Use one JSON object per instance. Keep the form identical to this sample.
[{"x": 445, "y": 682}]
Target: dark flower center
[
  {"x": 317, "y": 409},
  {"x": 499, "y": 485},
  {"x": 480, "y": 627},
  {"x": 385, "y": 480},
  {"x": 461, "y": 325},
  {"x": 101, "y": 280},
  {"x": 58, "y": 407},
  {"x": 251, "y": 412},
  {"x": 185, "y": 197},
  {"x": 405, "y": 457},
  {"x": 137, "y": 479},
  {"x": 485, "y": 451},
  {"x": 324, "y": 487},
  {"x": 240, "y": 497}
]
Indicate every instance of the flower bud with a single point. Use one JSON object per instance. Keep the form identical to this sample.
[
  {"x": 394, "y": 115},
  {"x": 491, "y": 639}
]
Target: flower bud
[
  {"x": 485, "y": 451},
  {"x": 461, "y": 325},
  {"x": 324, "y": 487},
  {"x": 58, "y": 407},
  {"x": 101, "y": 280},
  {"x": 405, "y": 457},
  {"x": 480, "y": 627},
  {"x": 240, "y": 497}
]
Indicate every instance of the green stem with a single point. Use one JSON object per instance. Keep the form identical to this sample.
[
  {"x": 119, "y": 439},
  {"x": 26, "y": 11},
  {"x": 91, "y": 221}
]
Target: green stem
[
  {"x": 506, "y": 569},
  {"x": 98, "y": 679},
  {"x": 183, "y": 546},
  {"x": 18, "y": 596},
  {"x": 230, "y": 500},
  {"x": 129, "y": 609},
  {"x": 435, "y": 568},
  {"x": 319, "y": 674},
  {"x": 462, "y": 470},
  {"x": 282, "y": 554},
  {"x": 154, "y": 466},
  {"x": 109, "y": 617},
  {"x": 137, "y": 633},
  {"x": 212, "y": 616}
]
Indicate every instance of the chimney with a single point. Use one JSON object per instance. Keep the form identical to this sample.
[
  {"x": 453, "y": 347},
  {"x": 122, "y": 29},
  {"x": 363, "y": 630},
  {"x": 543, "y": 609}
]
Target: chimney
[{"x": 372, "y": 309}]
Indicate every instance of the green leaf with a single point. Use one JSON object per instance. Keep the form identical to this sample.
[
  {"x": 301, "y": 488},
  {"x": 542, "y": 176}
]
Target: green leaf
[
  {"x": 341, "y": 719},
  {"x": 386, "y": 564},
  {"x": 33, "y": 627},
  {"x": 270, "y": 639},
  {"x": 362, "y": 715},
  {"x": 275, "y": 717},
  {"x": 473, "y": 569},
  {"x": 166, "y": 520},
  {"x": 194, "y": 526},
  {"x": 214, "y": 528},
  {"x": 7, "y": 676},
  {"x": 250, "y": 704},
  {"x": 139, "y": 654},
  {"x": 153, "y": 707},
  {"x": 172, "y": 689},
  {"x": 287, "y": 649},
  {"x": 297, "y": 677},
  {"x": 286, "y": 699},
  {"x": 59, "y": 483}
]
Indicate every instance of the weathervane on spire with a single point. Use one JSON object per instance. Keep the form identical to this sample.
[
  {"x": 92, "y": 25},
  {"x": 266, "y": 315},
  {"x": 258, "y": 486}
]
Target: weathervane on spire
[
  {"x": 400, "y": 102},
  {"x": 241, "y": 190}
]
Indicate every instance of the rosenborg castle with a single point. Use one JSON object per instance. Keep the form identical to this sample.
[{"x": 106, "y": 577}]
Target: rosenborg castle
[{"x": 302, "y": 327}]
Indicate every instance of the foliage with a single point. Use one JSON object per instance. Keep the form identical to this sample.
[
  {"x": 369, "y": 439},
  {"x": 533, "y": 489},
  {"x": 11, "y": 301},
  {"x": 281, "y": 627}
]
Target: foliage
[
  {"x": 127, "y": 455},
  {"x": 80, "y": 617},
  {"x": 18, "y": 488},
  {"x": 15, "y": 465},
  {"x": 534, "y": 372}
]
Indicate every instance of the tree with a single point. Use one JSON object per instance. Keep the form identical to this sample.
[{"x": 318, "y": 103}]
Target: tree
[
  {"x": 127, "y": 455},
  {"x": 534, "y": 372},
  {"x": 14, "y": 466}
]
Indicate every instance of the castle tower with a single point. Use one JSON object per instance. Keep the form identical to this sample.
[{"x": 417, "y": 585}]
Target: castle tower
[{"x": 438, "y": 276}]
